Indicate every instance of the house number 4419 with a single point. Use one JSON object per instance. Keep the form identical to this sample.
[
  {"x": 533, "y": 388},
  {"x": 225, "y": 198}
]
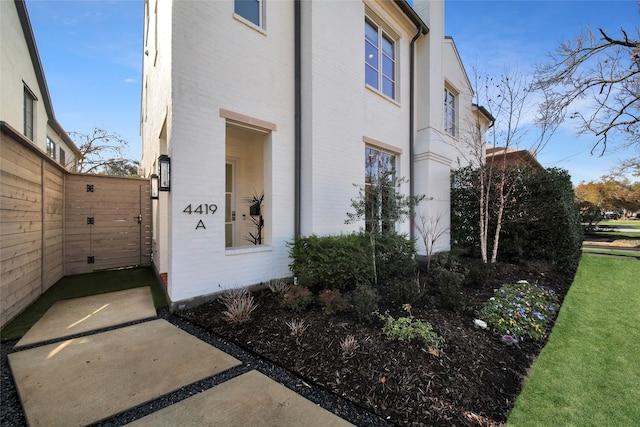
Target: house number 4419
[{"x": 202, "y": 209}]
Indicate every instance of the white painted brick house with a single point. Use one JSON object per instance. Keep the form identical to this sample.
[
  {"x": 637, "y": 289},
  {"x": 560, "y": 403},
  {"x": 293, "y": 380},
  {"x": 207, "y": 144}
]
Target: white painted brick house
[
  {"x": 289, "y": 99},
  {"x": 25, "y": 104}
]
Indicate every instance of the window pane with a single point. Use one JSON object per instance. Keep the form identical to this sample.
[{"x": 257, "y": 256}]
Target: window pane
[
  {"x": 228, "y": 184},
  {"x": 371, "y": 33},
  {"x": 387, "y": 46},
  {"x": 388, "y": 87},
  {"x": 248, "y": 9},
  {"x": 371, "y": 76},
  {"x": 371, "y": 54},
  {"x": 388, "y": 67},
  {"x": 370, "y": 166}
]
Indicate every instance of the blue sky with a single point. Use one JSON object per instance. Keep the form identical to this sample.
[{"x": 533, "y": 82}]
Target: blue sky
[{"x": 92, "y": 56}]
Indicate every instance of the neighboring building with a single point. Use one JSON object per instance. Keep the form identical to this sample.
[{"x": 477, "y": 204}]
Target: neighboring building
[
  {"x": 25, "y": 104},
  {"x": 295, "y": 101},
  {"x": 501, "y": 156}
]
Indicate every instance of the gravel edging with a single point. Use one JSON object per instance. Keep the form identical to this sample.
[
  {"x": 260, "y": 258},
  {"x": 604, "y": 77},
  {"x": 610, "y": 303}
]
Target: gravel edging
[{"x": 11, "y": 413}]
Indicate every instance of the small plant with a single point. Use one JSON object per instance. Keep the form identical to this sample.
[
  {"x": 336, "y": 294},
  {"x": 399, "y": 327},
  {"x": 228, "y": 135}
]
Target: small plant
[
  {"x": 297, "y": 327},
  {"x": 332, "y": 301},
  {"x": 239, "y": 305},
  {"x": 278, "y": 286},
  {"x": 349, "y": 345},
  {"x": 297, "y": 298},
  {"x": 364, "y": 300},
  {"x": 520, "y": 311},
  {"x": 481, "y": 275},
  {"x": 407, "y": 329}
]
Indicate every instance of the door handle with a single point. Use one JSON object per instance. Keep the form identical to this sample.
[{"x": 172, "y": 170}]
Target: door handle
[{"x": 139, "y": 218}]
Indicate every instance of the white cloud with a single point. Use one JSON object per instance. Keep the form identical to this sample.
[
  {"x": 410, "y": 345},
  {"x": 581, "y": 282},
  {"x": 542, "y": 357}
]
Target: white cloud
[{"x": 129, "y": 80}]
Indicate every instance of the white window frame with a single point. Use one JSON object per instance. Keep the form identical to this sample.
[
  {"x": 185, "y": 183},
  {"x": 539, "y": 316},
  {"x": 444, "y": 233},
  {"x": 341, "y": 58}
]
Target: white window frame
[
  {"x": 28, "y": 108},
  {"x": 51, "y": 148},
  {"x": 261, "y": 9},
  {"x": 450, "y": 112},
  {"x": 382, "y": 34},
  {"x": 379, "y": 169}
]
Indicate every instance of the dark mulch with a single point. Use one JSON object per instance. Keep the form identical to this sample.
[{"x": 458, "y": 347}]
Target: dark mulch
[{"x": 474, "y": 381}]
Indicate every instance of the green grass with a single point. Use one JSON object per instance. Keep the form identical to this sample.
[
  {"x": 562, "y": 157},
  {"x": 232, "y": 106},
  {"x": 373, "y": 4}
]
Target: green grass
[
  {"x": 616, "y": 252},
  {"x": 83, "y": 285},
  {"x": 588, "y": 374}
]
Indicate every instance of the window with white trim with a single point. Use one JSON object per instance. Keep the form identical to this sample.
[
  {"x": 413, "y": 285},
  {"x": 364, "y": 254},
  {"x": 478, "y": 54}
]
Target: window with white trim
[
  {"x": 51, "y": 148},
  {"x": 63, "y": 157},
  {"x": 28, "y": 104},
  {"x": 379, "y": 59},
  {"x": 450, "y": 112},
  {"x": 251, "y": 10},
  {"x": 379, "y": 167}
]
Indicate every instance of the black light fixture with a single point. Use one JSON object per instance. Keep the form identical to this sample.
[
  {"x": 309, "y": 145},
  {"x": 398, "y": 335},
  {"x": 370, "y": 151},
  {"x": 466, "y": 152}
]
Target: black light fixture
[
  {"x": 154, "y": 186},
  {"x": 164, "y": 170}
]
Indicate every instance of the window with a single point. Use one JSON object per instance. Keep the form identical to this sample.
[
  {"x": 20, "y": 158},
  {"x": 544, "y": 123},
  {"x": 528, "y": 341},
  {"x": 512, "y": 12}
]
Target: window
[
  {"x": 51, "y": 148},
  {"x": 251, "y": 10},
  {"x": 28, "y": 102},
  {"x": 63, "y": 157},
  {"x": 380, "y": 59},
  {"x": 380, "y": 171},
  {"x": 449, "y": 112}
]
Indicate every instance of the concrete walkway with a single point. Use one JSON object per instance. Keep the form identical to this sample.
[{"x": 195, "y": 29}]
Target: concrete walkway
[{"x": 79, "y": 381}]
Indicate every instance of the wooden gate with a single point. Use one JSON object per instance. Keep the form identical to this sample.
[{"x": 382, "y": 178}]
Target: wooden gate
[{"x": 107, "y": 223}]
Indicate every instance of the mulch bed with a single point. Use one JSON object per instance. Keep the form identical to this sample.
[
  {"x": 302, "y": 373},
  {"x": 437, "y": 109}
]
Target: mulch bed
[{"x": 474, "y": 381}]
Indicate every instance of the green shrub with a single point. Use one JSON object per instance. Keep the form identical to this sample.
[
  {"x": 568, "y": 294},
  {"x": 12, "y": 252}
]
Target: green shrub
[
  {"x": 542, "y": 222},
  {"x": 449, "y": 285},
  {"x": 408, "y": 290},
  {"x": 332, "y": 301},
  {"x": 297, "y": 298},
  {"x": 364, "y": 300},
  {"x": 332, "y": 262},
  {"x": 521, "y": 310},
  {"x": 395, "y": 256},
  {"x": 407, "y": 329}
]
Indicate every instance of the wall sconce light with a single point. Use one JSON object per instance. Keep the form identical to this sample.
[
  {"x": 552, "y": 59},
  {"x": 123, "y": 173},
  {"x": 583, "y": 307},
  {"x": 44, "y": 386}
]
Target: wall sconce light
[
  {"x": 154, "y": 186},
  {"x": 164, "y": 170}
]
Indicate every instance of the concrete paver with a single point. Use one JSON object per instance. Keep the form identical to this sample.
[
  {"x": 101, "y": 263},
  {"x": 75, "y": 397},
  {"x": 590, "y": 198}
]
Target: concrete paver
[
  {"x": 83, "y": 380},
  {"x": 78, "y": 315},
  {"x": 251, "y": 399}
]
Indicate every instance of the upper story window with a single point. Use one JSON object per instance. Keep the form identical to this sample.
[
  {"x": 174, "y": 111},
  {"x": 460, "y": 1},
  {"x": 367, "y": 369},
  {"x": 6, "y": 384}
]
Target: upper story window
[
  {"x": 63, "y": 157},
  {"x": 51, "y": 148},
  {"x": 27, "y": 104},
  {"x": 379, "y": 59},
  {"x": 251, "y": 10},
  {"x": 450, "y": 112}
]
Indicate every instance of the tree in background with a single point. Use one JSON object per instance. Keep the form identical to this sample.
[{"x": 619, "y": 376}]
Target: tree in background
[
  {"x": 610, "y": 194},
  {"x": 102, "y": 152},
  {"x": 604, "y": 68}
]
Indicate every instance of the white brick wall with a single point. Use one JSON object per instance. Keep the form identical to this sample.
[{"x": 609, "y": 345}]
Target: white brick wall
[{"x": 208, "y": 60}]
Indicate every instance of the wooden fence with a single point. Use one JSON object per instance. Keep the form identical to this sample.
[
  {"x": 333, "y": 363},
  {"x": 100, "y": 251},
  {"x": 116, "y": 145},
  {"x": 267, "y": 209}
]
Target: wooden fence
[{"x": 41, "y": 209}]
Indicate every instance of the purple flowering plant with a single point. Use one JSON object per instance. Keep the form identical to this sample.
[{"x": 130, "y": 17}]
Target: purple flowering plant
[{"x": 520, "y": 311}]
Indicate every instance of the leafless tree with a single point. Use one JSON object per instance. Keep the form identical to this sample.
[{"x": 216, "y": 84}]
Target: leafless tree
[
  {"x": 102, "y": 152},
  {"x": 431, "y": 230},
  {"x": 604, "y": 70},
  {"x": 509, "y": 101}
]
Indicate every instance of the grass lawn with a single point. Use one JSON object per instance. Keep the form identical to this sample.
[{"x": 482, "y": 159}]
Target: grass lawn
[
  {"x": 83, "y": 285},
  {"x": 588, "y": 374},
  {"x": 616, "y": 252}
]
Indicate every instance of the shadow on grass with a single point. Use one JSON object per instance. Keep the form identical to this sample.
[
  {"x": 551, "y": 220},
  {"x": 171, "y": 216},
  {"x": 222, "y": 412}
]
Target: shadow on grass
[{"x": 83, "y": 285}]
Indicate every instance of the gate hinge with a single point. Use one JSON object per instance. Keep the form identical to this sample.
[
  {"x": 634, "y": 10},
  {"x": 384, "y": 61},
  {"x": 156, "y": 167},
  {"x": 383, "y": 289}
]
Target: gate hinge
[
  {"x": 90, "y": 220},
  {"x": 91, "y": 260},
  {"x": 89, "y": 188}
]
